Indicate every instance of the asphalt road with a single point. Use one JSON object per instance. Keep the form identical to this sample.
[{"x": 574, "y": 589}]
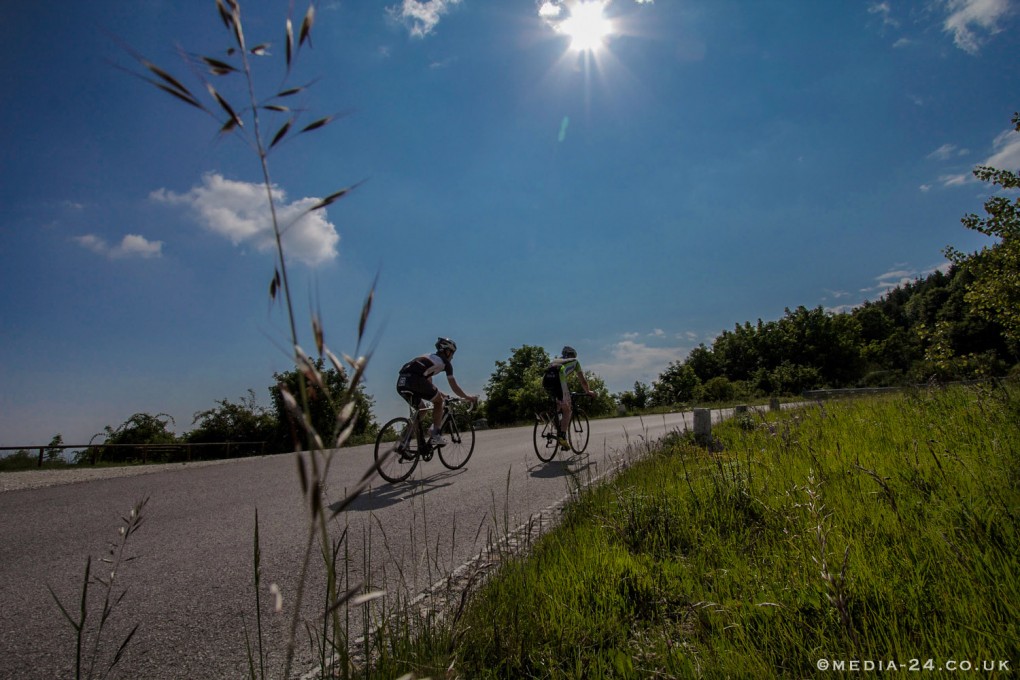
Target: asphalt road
[{"x": 191, "y": 586}]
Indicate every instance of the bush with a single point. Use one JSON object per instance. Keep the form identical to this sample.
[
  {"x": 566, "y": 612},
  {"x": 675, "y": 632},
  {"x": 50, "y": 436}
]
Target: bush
[{"x": 719, "y": 389}]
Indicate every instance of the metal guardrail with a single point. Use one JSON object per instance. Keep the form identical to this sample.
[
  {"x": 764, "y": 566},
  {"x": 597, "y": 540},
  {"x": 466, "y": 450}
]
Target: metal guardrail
[
  {"x": 852, "y": 392},
  {"x": 864, "y": 391},
  {"x": 145, "y": 448}
]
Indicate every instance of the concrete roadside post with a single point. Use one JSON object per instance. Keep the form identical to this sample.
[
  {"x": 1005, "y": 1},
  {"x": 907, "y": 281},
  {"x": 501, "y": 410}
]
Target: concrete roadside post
[{"x": 703, "y": 425}]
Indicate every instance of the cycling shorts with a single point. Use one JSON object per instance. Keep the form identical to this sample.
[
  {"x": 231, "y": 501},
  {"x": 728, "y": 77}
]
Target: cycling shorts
[
  {"x": 553, "y": 384},
  {"x": 418, "y": 385}
]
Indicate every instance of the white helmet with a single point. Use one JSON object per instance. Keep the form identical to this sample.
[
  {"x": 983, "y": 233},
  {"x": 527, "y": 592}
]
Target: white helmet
[{"x": 447, "y": 344}]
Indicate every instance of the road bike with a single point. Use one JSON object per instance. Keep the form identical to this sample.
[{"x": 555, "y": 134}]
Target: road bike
[
  {"x": 406, "y": 438},
  {"x": 546, "y": 423}
]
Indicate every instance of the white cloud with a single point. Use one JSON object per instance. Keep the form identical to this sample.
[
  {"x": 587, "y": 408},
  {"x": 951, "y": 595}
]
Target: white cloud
[
  {"x": 441, "y": 63},
  {"x": 969, "y": 18},
  {"x": 1005, "y": 156},
  {"x": 841, "y": 309},
  {"x": 630, "y": 361},
  {"x": 896, "y": 274},
  {"x": 554, "y": 12},
  {"x": 549, "y": 10},
  {"x": 239, "y": 211},
  {"x": 421, "y": 16},
  {"x": 883, "y": 10},
  {"x": 955, "y": 180},
  {"x": 132, "y": 245},
  {"x": 1007, "y": 151},
  {"x": 946, "y": 151},
  {"x": 900, "y": 277}
]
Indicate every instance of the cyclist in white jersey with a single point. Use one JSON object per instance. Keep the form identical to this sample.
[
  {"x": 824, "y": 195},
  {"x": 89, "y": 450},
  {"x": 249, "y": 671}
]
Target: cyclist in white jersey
[
  {"x": 416, "y": 377},
  {"x": 555, "y": 383}
]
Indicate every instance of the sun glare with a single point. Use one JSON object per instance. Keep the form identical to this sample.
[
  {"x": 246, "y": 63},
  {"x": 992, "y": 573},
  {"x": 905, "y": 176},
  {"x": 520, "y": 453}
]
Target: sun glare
[{"x": 586, "y": 27}]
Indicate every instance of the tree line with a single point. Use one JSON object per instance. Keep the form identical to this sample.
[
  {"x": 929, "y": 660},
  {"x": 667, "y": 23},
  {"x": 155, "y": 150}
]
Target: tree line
[{"x": 247, "y": 426}]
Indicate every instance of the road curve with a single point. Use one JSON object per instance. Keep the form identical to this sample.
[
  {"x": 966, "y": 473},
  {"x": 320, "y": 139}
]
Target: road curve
[{"x": 191, "y": 588}]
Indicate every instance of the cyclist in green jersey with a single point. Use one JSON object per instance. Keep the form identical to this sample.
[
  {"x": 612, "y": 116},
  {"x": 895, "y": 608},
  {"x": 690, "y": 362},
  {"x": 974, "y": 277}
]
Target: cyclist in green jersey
[{"x": 555, "y": 383}]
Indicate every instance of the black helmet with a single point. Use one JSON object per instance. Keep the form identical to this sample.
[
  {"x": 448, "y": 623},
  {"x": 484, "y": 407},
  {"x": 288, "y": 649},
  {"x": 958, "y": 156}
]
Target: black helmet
[
  {"x": 447, "y": 344},
  {"x": 568, "y": 352}
]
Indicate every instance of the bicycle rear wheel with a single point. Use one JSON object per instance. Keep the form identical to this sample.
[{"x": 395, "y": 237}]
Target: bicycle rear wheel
[
  {"x": 460, "y": 435},
  {"x": 398, "y": 465},
  {"x": 545, "y": 438},
  {"x": 578, "y": 434}
]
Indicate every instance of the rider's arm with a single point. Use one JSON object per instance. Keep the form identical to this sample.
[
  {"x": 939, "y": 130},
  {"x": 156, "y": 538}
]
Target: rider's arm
[
  {"x": 456, "y": 388},
  {"x": 584, "y": 381}
]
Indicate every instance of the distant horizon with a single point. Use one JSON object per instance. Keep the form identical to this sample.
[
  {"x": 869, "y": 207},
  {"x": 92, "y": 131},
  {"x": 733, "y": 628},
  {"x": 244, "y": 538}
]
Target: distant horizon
[
  {"x": 629, "y": 177},
  {"x": 552, "y": 353}
]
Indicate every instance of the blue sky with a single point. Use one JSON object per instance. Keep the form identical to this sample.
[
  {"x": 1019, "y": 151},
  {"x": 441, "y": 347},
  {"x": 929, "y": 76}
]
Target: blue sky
[{"x": 700, "y": 164}]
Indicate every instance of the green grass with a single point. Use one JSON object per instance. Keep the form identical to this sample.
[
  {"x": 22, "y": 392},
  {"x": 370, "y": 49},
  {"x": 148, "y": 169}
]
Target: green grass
[{"x": 873, "y": 529}]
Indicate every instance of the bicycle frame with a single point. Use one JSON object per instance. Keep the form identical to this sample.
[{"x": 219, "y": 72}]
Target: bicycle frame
[
  {"x": 547, "y": 426},
  {"x": 396, "y": 458},
  {"x": 414, "y": 415}
]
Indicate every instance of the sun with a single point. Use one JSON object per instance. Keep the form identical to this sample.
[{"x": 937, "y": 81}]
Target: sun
[{"x": 586, "y": 26}]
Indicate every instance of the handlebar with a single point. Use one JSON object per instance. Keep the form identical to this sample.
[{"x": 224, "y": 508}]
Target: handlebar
[{"x": 450, "y": 399}]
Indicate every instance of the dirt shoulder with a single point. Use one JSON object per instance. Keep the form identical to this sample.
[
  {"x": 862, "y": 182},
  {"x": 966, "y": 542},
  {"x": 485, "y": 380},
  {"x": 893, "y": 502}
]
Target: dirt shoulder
[{"x": 35, "y": 479}]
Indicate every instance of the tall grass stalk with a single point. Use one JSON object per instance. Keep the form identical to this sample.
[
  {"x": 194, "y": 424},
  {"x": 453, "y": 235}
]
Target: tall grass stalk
[
  {"x": 86, "y": 660},
  {"x": 313, "y": 465}
]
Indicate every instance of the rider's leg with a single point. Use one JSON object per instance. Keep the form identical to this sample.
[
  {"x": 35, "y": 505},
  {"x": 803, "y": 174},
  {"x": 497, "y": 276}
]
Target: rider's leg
[
  {"x": 565, "y": 403},
  {"x": 419, "y": 432},
  {"x": 437, "y": 418},
  {"x": 567, "y": 412}
]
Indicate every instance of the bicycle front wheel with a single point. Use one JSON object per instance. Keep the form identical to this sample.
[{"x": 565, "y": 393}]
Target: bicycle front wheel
[
  {"x": 545, "y": 438},
  {"x": 396, "y": 436},
  {"x": 460, "y": 435},
  {"x": 579, "y": 431}
]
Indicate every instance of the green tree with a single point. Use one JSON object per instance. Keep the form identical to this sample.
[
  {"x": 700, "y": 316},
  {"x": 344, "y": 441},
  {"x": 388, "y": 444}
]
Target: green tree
[
  {"x": 54, "y": 453},
  {"x": 815, "y": 339},
  {"x": 244, "y": 421},
  {"x": 324, "y": 406},
  {"x": 676, "y": 385},
  {"x": 788, "y": 379},
  {"x": 141, "y": 428},
  {"x": 514, "y": 390},
  {"x": 636, "y": 399},
  {"x": 602, "y": 403},
  {"x": 995, "y": 291},
  {"x": 736, "y": 352},
  {"x": 705, "y": 362}
]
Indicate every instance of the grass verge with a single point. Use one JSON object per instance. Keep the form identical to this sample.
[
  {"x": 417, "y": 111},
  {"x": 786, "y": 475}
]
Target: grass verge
[{"x": 878, "y": 529}]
